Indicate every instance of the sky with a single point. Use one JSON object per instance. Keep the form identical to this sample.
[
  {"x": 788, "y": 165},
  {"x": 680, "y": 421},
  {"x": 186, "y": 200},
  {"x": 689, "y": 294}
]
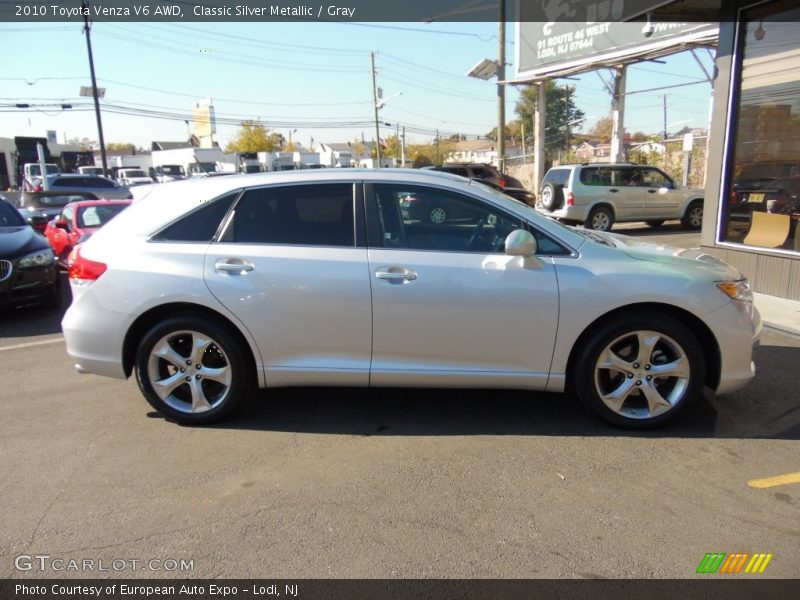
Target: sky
[{"x": 296, "y": 77}]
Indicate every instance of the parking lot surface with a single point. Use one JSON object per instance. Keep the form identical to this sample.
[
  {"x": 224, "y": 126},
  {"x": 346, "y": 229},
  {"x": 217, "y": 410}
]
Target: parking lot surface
[{"x": 354, "y": 483}]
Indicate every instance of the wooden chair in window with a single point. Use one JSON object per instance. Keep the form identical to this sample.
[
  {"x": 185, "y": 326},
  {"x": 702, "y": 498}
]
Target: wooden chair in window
[{"x": 768, "y": 230}]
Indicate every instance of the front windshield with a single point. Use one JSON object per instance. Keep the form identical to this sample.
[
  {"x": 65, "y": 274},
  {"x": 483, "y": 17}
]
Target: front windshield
[
  {"x": 9, "y": 217},
  {"x": 136, "y": 174},
  {"x": 172, "y": 170}
]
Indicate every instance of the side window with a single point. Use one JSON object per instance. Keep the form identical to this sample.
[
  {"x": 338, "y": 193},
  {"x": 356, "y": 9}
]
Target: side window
[
  {"x": 483, "y": 173},
  {"x": 102, "y": 182},
  {"x": 304, "y": 215},
  {"x": 654, "y": 178},
  {"x": 200, "y": 225},
  {"x": 426, "y": 218},
  {"x": 67, "y": 215},
  {"x": 458, "y": 171},
  {"x": 626, "y": 177}
]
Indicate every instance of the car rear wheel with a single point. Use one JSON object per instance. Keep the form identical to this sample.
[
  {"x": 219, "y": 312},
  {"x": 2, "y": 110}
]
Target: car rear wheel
[
  {"x": 640, "y": 370},
  {"x": 191, "y": 370},
  {"x": 600, "y": 219},
  {"x": 693, "y": 217},
  {"x": 437, "y": 215}
]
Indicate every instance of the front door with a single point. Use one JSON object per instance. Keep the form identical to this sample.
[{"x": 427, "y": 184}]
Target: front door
[
  {"x": 449, "y": 306},
  {"x": 662, "y": 200},
  {"x": 288, "y": 265}
]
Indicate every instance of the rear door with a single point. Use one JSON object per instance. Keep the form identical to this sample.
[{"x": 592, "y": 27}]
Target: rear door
[
  {"x": 290, "y": 266},
  {"x": 626, "y": 194}
]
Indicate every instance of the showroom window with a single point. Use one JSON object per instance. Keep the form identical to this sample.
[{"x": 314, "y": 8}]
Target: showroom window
[{"x": 762, "y": 205}]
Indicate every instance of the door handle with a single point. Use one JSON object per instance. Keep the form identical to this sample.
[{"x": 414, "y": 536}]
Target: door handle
[
  {"x": 233, "y": 265},
  {"x": 613, "y": 190},
  {"x": 651, "y": 191},
  {"x": 395, "y": 275}
]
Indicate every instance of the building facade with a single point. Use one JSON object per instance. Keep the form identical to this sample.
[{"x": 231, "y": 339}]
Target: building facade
[{"x": 752, "y": 208}]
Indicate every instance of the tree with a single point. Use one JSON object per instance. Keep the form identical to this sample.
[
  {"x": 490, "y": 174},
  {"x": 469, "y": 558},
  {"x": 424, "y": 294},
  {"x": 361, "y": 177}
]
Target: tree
[
  {"x": 121, "y": 147},
  {"x": 85, "y": 144},
  {"x": 561, "y": 114},
  {"x": 602, "y": 130},
  {"x": 255, "y": 137}
]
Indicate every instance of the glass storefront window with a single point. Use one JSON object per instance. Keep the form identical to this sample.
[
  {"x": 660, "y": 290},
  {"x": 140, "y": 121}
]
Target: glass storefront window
[{"x": 762, "y": 206}]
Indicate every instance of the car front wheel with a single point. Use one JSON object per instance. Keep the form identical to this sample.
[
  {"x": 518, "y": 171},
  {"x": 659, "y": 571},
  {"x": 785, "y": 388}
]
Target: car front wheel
[
  {"x": 693, "y": 218},
  {"x": 640, "y": 370},
  {"x": 191, "y": 370}
]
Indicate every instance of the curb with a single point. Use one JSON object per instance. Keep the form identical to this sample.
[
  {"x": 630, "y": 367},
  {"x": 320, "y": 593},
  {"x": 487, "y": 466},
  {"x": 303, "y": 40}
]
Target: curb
[{"x": 782, "y": 329}]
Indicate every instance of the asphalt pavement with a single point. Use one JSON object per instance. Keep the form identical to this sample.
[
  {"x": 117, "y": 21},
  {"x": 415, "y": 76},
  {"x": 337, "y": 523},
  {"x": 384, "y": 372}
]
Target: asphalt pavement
[{"x": 352, "y": 483}]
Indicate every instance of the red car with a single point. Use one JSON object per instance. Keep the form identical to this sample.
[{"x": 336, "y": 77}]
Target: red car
[{"x": 77, "y": 222}]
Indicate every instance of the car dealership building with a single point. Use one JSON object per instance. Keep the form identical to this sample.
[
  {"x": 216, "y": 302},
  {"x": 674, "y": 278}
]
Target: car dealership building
[{"x": 752, "y": 203}]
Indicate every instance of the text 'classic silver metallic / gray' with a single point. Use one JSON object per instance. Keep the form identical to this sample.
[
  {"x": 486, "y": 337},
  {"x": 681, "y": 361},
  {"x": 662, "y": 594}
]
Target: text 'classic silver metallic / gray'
[{"x": 339, "y": 277}]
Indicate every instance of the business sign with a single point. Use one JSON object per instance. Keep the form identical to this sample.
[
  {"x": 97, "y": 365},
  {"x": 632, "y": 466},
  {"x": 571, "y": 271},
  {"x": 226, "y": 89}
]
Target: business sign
[
  {"x": 545, "y": 47},
  {"x": 205, "y": 123}
]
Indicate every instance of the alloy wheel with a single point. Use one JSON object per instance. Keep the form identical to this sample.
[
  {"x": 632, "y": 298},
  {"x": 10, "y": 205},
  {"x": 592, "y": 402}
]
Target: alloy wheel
[
  {"x": 189, "y": 371},
  {"x": 642, "y": 374},
  {"x": 438, "y": 215}
]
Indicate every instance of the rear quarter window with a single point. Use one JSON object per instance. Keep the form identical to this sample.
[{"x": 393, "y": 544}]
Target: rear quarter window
[{"x": 200, "y": 225}]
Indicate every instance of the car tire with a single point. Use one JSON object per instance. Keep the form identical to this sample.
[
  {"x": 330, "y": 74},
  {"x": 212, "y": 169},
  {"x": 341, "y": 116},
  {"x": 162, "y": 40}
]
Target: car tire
[
  {"x": 552, "y": 197},
  {"x": 693, "y": 217},
  {"x": 184, "y": 383},
  {"x": 655, "y": 223},
  {"x": 600, "y": 219},
  {"x": 613, "y": 367},
  {"x": 437, "y": 215}
]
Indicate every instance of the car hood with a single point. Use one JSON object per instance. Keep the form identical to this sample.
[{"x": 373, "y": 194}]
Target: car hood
[
  {"x": 672, "y": 255},
  {"x": 19, "y": 241}
]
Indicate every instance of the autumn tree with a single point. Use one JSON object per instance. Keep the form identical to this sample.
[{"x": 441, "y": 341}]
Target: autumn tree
[
  {"x": 121, "y": 147},
  {"x": 255, "y": 137},
  {"x": 602, "y": 130},
  {"x": 561, "y": 113}
]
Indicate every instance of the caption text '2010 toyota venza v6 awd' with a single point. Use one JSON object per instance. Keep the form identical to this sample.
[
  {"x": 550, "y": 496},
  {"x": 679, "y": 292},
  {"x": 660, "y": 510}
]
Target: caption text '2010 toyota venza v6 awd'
[{"x": 207, "y": 288}]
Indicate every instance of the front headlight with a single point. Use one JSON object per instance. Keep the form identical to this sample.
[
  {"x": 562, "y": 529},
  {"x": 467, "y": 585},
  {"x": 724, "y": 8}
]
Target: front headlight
[
  {"x": 737, "y": 290},
  {"x": 42, "y": 258}
]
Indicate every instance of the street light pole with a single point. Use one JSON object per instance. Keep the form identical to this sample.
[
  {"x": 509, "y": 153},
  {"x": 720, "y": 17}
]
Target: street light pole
[
  {"x": 375, "y": 106},
  {"x": 86, "y": 30},
  {"x": 501, "y": 88}
]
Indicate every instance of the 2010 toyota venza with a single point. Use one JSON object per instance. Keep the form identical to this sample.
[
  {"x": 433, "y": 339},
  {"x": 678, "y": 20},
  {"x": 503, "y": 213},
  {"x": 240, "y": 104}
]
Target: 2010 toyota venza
[{"x": 208, "y": 288}]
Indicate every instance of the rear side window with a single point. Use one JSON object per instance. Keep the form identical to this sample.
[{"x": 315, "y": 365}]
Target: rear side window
[
  {"x": 8, "y": 216},
  {"x": 456, "y": 171},
  {"x": 303, "y": 215},
  {"x": 200, "y": 225},
  {"x": 483, "y": 172},
  {"x": 558, "y": 177}
]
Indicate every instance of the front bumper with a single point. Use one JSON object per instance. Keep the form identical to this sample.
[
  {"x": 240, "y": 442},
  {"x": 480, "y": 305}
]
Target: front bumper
[
  {"x": 31, "y": 284},
  {"x": 737, "y": 327}
]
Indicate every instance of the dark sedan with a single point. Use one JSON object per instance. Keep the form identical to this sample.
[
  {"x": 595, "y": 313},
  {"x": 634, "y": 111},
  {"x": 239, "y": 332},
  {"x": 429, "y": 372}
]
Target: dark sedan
[
  {"x": 39, "y": 207},
  {"x": 27, "y": 265}
]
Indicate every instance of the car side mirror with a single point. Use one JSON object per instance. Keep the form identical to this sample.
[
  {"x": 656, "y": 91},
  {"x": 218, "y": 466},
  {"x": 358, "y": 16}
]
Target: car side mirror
[{"x": 520, "y": 243}]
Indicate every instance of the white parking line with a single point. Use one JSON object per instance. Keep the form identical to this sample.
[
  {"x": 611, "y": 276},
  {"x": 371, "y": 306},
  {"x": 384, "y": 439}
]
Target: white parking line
[{"x": 29, "y": 344}]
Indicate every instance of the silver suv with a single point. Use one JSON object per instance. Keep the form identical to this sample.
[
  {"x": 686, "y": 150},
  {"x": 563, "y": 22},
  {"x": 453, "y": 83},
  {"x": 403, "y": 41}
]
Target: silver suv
[{"x": 598, "y": 195}]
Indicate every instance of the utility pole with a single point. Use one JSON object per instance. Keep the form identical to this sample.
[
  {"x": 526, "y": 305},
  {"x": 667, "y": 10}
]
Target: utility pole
[
  {"x": 438, "y": 161},
  {"x": 375, "y": 105},
  {"x": 403, "y": 149},
  {"x": 87, "y": 30},
  {"x": 665, "y": 117},
  {"x": 397, "y": 144},
  {"x": 501, "y": 88}
]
